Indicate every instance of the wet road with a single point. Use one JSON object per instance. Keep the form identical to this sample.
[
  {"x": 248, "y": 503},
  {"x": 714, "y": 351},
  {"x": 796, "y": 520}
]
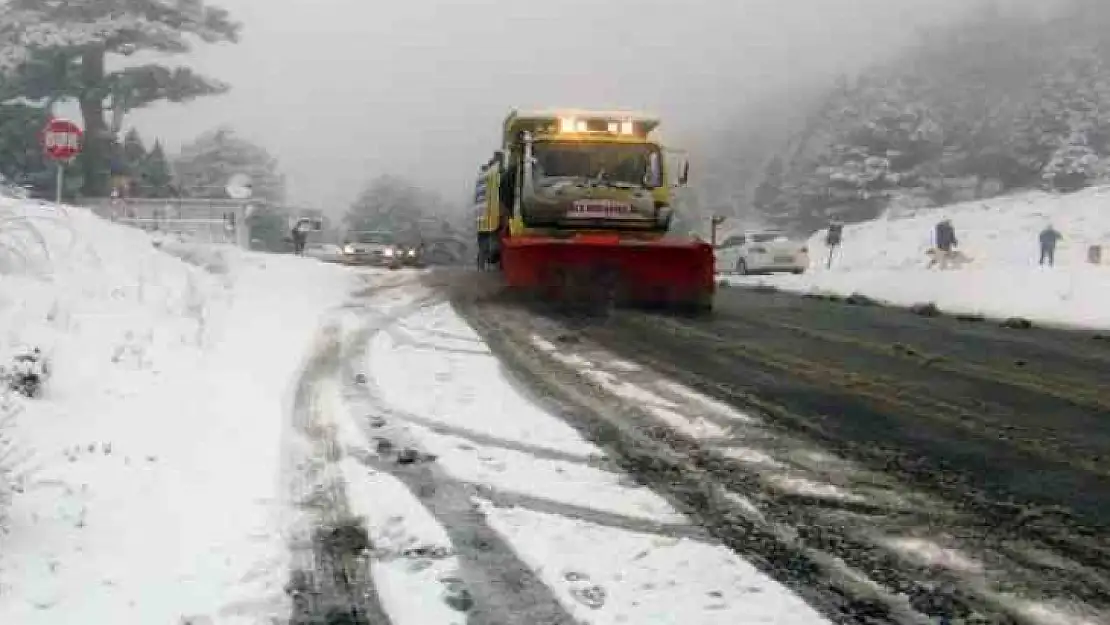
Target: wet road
[{"x": 992, "y": 438}]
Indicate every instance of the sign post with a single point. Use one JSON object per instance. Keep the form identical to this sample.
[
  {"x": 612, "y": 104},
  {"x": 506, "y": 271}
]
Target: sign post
[
  {"x": 714, "y": 224},
  {"x": 240, "y": 187},
  {"x": 61, "y": 141}
]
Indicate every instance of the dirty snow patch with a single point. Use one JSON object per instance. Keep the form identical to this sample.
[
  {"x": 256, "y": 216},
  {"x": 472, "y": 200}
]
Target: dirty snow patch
[
  {"x": 750, "y": 456},
  {"x": 708, "y": 403},
  {"x": 932, "y": 553},
  {"x": 697, "y": 428},
  {"x": 809, "y": 488}
]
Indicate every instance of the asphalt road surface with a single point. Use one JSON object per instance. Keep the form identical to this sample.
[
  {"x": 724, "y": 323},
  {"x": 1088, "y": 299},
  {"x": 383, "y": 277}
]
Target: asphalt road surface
[{"x": 1001, "y": 435}]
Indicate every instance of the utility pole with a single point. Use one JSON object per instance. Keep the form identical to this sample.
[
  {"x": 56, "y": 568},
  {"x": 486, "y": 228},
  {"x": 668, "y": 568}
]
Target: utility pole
[{"x": 714, "y": 224}]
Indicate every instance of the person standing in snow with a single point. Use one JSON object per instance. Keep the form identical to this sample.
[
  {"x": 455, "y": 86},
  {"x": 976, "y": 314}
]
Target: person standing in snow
[
  {"x": 945, "y": 242},
  {"x": 1049, "y": 237},
  {"x": 299, "y": 237}
]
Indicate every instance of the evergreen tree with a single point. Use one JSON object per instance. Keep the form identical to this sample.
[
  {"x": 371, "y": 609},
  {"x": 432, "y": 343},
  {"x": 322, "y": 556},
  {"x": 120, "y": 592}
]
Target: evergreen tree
[
  {"x": 61, "y": 50},
  {"x": 134, "y": 152},
  {"x": 1004, "y": 100},
  {"x": 398, "y": 206},
  {"x": 156, "y": 180},
  {"x": 204, "y": 167},
  {"x": 22, "y": 160},
  {"x": 269, "y": 227},
  {"x": 769, "y": 191}
]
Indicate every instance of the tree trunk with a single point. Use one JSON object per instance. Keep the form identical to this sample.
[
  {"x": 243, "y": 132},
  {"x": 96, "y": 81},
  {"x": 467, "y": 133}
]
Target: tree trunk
[{"x": 94, "y": 158}]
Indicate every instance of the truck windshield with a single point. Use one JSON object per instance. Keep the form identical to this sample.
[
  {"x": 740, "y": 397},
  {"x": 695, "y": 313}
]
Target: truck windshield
[{"x": 614, "y": 162}]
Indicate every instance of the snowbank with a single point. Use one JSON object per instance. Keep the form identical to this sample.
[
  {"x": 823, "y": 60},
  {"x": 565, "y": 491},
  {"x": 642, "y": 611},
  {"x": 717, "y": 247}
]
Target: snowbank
[
  {"x": 886, "y": 260},
  {"x": 149, "y": 479}
]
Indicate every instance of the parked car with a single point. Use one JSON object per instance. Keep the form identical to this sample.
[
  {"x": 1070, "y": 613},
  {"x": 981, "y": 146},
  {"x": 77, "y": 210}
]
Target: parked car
[{"x": 765, "y": 251}]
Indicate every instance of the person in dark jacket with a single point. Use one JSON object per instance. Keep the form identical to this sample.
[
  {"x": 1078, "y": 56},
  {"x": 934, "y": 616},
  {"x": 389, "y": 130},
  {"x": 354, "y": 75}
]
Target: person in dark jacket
[
  {"x": 946, "y": 236},
  {"x": 300, "y": 235},
  {"x": 1048, "y": 238},
  {"x": 945, "y": 243}
]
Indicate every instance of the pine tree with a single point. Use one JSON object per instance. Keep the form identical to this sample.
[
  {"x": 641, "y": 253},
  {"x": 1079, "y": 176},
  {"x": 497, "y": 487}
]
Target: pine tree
[
  {"x": 133, "y": 156},
  {"x": 155, "y": 177},
  {"x": 59, "y": 50},
  {"x": 1072, "y": 166},
  {"x": 22, "y": 160},
  {"x": 769, "y": 190},
  {"x": 204, "y": 166}
]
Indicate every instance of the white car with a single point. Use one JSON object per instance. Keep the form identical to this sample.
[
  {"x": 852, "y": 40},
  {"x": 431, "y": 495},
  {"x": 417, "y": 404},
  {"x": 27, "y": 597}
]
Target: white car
[{"x": 761, "y": 252}]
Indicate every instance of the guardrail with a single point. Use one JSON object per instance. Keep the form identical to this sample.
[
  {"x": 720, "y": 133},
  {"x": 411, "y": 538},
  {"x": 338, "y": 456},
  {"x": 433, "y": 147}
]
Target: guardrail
[{"x": 201, "y": 220}]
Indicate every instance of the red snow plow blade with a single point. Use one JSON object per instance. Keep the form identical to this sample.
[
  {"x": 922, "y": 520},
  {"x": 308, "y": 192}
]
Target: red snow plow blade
[{"x": 602, "y": 269}]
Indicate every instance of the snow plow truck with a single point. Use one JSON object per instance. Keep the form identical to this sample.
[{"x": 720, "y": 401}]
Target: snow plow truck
[{"x": 576, "y": 207}]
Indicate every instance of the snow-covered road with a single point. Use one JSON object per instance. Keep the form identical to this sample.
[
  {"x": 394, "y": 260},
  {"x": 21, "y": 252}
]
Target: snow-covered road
[{"x": 512, "y": 495}]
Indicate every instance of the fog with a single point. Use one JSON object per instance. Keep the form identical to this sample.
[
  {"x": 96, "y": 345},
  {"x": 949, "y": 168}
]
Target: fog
[{"x": 343, "y": 90}]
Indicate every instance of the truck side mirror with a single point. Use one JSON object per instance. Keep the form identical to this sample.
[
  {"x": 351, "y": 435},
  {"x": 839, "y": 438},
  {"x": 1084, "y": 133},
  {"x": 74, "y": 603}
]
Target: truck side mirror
[{"x": 684, "y": 175}]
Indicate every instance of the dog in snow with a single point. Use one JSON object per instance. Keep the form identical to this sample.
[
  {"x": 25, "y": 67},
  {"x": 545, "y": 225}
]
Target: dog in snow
[
  {"x": 953, "y": 259},
  {"x": 28, "y": 372}
]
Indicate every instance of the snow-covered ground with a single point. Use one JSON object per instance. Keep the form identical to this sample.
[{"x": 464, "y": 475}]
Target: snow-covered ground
[
  {"x": 886, "y": 260},
  {"x": 147, "y": 473},
  {"x": 148, "y": 477}
]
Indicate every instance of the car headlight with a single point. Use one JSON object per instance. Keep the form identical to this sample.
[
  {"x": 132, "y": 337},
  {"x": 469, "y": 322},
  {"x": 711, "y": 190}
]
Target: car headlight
[
  {"x": 388, "y": 251},
  {"x": 412, "y": 252},
  {"x": 350, "y": 249}
]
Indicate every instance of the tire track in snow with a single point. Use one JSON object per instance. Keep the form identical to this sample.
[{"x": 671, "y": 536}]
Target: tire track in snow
[
  {"x": 328, "y": 582},
  {"x": 467, "y": 472},
  {"x": 504, "y": 589}
]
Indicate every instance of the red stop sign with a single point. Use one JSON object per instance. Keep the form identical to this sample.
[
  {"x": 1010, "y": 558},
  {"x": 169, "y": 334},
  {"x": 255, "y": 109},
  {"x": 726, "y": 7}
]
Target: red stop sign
[{"x": 61, "y": 139}]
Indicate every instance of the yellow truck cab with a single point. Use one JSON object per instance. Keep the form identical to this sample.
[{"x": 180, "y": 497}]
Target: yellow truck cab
[{"x": 584, "y": 170}]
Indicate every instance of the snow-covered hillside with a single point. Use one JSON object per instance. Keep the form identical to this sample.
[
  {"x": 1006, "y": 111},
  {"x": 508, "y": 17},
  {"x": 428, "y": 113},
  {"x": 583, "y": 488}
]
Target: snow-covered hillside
[
  {"x": 138, "y": 499},
  {"x": 886, "y": 260}
]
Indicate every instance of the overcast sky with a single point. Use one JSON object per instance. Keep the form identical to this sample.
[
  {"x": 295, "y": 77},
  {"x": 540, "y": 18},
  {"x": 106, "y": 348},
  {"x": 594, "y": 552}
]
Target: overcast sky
[{"x": 343, "y": 90}]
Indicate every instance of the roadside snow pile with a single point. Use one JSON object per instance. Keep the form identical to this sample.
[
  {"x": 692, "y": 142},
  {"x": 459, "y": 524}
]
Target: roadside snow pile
[
  {"x": 886, "y": 260},
  {"x": 147, "y": 472}
]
